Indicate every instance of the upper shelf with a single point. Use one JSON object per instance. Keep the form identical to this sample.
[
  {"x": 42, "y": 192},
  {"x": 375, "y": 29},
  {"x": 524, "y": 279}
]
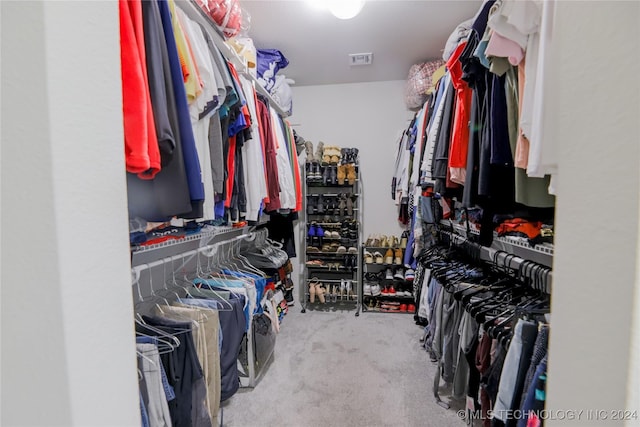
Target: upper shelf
[
  {"x": 193, "y": 11},
  {"x": 542, "y": 254}
]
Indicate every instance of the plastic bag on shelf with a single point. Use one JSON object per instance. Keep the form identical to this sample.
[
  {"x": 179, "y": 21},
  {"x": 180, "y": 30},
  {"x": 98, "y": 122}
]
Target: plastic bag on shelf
[
  {"x": 246, "y": 50},
  {"x": 281, "y": 93},
  {"x": 419, "y": 82},
  {"x": 227, "y": 14},
  {"x": 270, "y": 61}
]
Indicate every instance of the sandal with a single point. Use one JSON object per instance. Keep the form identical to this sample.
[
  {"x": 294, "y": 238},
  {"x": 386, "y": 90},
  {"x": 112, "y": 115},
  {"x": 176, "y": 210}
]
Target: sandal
[
  {"x": 368, "y": 257},
  {"x": 313, "y": 289},
  {"x": 378, "y": 257}
]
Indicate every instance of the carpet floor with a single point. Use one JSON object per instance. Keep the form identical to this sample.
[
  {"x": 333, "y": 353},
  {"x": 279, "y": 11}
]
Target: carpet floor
[{"x": 335, "y": 369}]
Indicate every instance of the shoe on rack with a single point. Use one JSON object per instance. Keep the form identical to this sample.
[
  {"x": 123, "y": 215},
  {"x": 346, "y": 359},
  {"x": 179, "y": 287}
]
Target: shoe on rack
[
  {"x": 319, "y": 151},
  {"x": 349, "y": 288},
  {"x": 366, "y": 289},
  {"x": 312, "y": 230},
  {"x": 393, "y": 241},
  {"x": 392, "y": 291},
  {"x": 317, "y": 171},
  {"x": 351, "y": 174},
  {"x": 384, "y": 242},
  {"x": 388, "y": 274},
  {"x": 388, "y": 256},
  {"x": 397, "y": 260},
  {"x": 333, "y": 174},
  {"x": 409, "y": 275},
  {"x": 342, "y": 204},
  {"x": 320, "y": 293},
  {"x": 352, "y": 250},
  {"x": 326, "y": 175},
  {"x": 354, "y": 156},
  {"x": 403, "y": 308},
  {"x": 319, "y": 204},
  {"x": 369, "y": 241},
  {"x": 378, "y": 257},
  {"x": 404, "y": 238},
  {"x": 411, "y": 308},
  {"x": 312, "y": 292},
  {"x": 311, "y": 203},
  {"x": 344, "y": 156},
  {"x": 341, "y": 174},
  {"x": 368, "y": 257},
  {"x": 309, "y": 150},
  {"x": 347, "y": 260},
  {"x": 399, "y": 274},
  {"x": 341, "y": 250},
  {"x": 375, "y": 290},
  {"x": 385, "y": 291},
  {"x": 349, "y": 204}
]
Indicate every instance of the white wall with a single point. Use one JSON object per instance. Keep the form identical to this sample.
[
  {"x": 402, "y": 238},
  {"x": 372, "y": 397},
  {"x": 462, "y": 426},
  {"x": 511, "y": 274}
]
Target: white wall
[
  {"x": 368, "y": 116},
  {"x": 68, "y": 352},
  {"x": 597, "y": 108}
]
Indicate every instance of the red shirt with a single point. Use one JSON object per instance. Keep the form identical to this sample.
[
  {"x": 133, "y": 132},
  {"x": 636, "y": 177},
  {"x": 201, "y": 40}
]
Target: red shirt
[{"x": 460, "y": 134}]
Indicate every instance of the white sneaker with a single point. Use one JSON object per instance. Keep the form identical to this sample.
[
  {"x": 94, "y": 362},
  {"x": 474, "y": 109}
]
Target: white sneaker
[
  {"x": 375, "y": 290},
  {"x": 366, "y": 289},
  {"x": 389, "y": 274},
  {"x": 399, "y": 274}
]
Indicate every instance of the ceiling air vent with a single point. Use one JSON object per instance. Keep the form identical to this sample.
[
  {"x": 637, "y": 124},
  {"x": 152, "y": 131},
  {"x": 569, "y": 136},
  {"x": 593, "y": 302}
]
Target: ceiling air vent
[{"x": 356, "y": 59}]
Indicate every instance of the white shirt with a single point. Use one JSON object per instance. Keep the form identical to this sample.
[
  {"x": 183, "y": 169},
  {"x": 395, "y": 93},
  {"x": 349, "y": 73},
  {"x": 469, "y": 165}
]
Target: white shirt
[
  {"x": 253, "y": 159},
  {"x": 285, "y": 173},
  {"x": 203, "y": 60}
]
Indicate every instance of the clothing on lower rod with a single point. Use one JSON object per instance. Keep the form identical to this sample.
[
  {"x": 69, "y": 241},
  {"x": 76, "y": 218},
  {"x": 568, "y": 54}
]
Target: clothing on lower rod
[
  {"x": 153, "y": 397},
  {"x": 184, "y": 372},
  {"x": 514, "y": 371}
]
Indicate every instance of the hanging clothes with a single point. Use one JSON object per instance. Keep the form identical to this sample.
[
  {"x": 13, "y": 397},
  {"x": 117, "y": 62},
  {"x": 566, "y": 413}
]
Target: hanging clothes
[{"x": 141, "y": 143}]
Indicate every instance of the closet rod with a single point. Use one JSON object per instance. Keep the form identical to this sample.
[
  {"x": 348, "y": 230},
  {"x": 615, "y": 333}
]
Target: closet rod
[
  {"x": 514, "y": 261},
  {"x": 186, "y": 256},
  {"x": 193, "y": 11}
]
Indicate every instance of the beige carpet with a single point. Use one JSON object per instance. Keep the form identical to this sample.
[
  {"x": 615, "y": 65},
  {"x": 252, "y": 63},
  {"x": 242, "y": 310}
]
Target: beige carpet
[{"x": 335, "y": 369}]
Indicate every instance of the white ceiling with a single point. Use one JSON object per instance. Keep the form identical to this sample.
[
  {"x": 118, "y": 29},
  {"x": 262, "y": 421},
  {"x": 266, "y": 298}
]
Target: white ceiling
[{"x": 398, "y": 32}]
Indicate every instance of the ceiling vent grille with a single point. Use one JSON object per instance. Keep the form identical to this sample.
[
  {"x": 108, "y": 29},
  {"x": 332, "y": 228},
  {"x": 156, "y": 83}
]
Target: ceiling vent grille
[{"x": 358, "y": 59}]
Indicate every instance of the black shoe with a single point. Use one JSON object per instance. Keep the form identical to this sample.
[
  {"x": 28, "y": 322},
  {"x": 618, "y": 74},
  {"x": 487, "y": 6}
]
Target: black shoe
[
  {"x": 345, "y": 156},
  {"x": 334, "y": 175},
  {"x": 334, "y": 205},
  {"x": 311, "y": 204},
  {"x": 317, "y": 175},
  {"x": 326, "y": 175},
  {"x": 320, "y": 204},
  {"x": 288, "y": 297}
]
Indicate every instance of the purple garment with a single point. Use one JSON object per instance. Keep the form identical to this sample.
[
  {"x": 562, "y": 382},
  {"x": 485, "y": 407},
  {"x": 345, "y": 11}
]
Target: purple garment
[{"x": 269, "y": 62}]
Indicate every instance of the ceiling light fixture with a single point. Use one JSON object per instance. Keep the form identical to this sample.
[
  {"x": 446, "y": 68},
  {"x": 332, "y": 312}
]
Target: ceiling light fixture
[
  {"x": 341, "y": 9},
  {"x": 345, "y": 9}
]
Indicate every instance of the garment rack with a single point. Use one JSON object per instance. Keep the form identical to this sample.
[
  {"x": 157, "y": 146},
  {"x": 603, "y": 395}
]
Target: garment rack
[
  {"x": 508, "y": 260},
  {"x": 187, "y": 263}
]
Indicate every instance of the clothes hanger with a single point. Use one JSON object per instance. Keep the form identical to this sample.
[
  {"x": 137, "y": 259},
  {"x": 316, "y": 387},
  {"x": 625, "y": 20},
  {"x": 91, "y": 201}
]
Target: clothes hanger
[
  {"x": 195, "y": 292},
  {"x": 242, "y": 264}
]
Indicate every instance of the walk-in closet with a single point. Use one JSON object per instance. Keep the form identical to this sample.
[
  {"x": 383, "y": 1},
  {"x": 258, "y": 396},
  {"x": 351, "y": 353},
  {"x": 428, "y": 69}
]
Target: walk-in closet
[{"x": 320, "y": 213}]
